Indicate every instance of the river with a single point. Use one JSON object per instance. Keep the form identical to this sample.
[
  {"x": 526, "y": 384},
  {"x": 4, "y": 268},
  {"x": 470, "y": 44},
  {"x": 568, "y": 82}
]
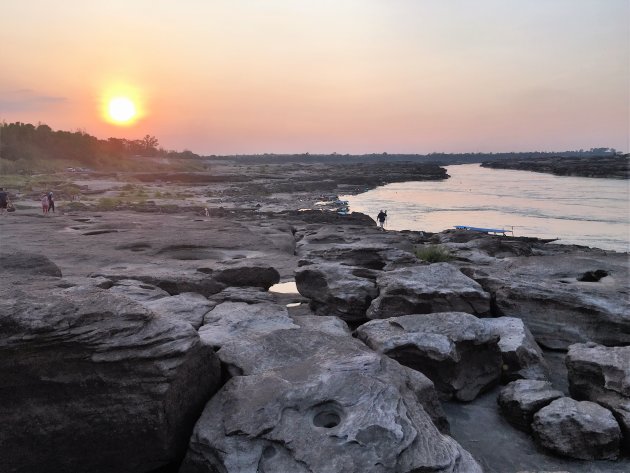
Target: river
[{"x": 576, "y": 210}]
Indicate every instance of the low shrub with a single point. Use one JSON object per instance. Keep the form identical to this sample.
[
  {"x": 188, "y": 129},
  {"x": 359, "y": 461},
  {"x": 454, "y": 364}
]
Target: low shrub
[{"x": 434, "y": 254}]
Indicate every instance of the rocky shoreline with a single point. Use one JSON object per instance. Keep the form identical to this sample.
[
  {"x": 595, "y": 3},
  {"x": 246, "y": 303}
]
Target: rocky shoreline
[
  {"x": 611, "y": 167},
  {"x": 150, "y": 342}
]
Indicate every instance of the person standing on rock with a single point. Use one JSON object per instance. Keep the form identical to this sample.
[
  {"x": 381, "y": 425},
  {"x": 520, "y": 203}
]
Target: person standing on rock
[
  {"x": 4, "y": 200},
  {"x": 381, "y": 217},
  {"x": 51, "y": 202}
]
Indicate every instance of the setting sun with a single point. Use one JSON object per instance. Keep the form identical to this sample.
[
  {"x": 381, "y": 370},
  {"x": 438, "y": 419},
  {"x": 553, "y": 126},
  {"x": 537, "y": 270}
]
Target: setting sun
[{"x": 121, "y": 110}]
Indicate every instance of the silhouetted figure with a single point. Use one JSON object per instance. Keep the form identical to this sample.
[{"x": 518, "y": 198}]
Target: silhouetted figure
[
  {"x": 380, "y": 218},
  {"x": 51, "y": 202}
]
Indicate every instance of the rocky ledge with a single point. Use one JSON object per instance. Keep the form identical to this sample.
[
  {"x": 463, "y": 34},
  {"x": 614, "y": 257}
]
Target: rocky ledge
[{"x": 144, "y": 343}]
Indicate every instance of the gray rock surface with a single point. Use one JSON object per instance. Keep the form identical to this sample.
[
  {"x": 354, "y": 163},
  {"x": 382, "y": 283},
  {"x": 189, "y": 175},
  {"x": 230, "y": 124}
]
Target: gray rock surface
[
  {"x": 250, "y": 295},
  {"x": 95, "y": 382},
  {"x": 27, "y": 265},
  {"x": 336, "y": 289},
  {"x": 577, "y": 429},
  {"x": 438, "y": 287},
  {"x": 327, "y": 324},
  {"x": 546, "y": 292},
  {"x": 522, "y": 357},
  {"x": 172, "y": 278},
  {"x": 453, "y": 349},
  {"x": 346, "y": 416},
  {"x": 137, "y": 290},
  {"x": 602, "y": 374},
  {"x": 188, "y": 306},
  {"x": 231, "y": 320},
  {"x": 521, "y": 399}
]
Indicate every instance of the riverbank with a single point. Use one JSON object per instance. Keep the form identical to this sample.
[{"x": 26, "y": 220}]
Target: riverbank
[{"x": 610, "y": 167}]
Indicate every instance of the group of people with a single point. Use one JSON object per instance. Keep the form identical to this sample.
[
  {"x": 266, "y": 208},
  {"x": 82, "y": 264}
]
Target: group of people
[{"x": 48, "y": 202}]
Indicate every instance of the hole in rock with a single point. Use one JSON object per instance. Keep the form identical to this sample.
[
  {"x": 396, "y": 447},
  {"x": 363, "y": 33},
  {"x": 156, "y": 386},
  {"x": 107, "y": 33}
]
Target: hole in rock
[
  {"x": 327, "y": 415},
  {"x": 593, "y": 276}
]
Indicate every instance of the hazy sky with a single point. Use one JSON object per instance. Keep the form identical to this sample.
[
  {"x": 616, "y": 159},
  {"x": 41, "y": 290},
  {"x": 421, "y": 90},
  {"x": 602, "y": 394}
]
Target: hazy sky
[{"x": 351, "y": 76}]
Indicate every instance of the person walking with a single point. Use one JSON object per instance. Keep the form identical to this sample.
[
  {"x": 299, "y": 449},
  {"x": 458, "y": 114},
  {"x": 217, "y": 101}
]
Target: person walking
[{"x": 380, "y": 218}]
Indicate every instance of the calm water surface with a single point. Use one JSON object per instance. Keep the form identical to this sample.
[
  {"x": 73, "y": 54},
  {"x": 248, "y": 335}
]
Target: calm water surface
[{"x": 577, "y": 210}]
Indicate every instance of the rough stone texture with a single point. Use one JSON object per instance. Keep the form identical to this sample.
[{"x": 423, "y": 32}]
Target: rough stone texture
[
  {"x": 602, "y": 374},
  {"x": 522, "y": 357},
  {"x": 360, "y": 254},
  {"x": 173, "y": 279},
  {"x": 521, "y": 399},
  {"x": 316, "y": 351},
  {"x": 327, "y": 324},
  {"x": 95, "y": 382},
  {"x": 559, "y": 309},
  {"x": 453, "y": 349},
  {"x": 438, "y": 287},
  {"x": 137, "y": 290},
  {"x": 231, "y": 320},
  {"x": 336, "y": 289},
  {"x": 247, "y": 274},
  {"x": 250, "y": 295},
  {"x": 319, "y": 413},
  {"x": 189, "y": 307},
  {"x": 582, "y": 430},
  {"x": 27, "y": 264}
]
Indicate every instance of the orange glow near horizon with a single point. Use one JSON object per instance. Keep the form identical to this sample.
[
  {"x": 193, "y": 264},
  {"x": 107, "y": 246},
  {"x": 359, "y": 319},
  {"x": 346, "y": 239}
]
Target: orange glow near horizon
[{"x": 121, "y": 106}]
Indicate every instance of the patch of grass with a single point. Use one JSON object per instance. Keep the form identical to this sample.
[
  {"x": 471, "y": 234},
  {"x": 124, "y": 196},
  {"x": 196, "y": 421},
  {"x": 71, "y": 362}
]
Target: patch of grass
[
  {"x": 108, "y": 203},
  {"x": 434, "y": 254}
]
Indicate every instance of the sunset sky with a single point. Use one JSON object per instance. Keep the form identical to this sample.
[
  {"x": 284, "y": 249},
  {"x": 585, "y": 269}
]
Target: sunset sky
[{"x": 346, "y": 76}]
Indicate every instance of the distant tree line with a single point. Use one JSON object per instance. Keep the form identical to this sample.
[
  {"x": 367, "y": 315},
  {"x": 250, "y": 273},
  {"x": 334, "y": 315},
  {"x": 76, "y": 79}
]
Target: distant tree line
[
  {"x": 24, "y": 141},
  {"x": 436, "y": 158}
]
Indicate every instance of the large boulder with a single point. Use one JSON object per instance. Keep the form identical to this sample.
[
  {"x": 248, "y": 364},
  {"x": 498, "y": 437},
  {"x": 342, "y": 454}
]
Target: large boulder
[
  {"x": 348, "y": 415},
  {"x": 582, "y": 430},
  {"x": 337, "y": 289},
  {"x": 438, "y": 287},
  {"x": 317, "y": 351},
  {"x": 245, "y": 274},
  {"x": 522, "y": 357},
  {"x": 231, "y": 320},
  {"x": 453, "y": 349},
  {"x": 602, "y": 374},
  {"x": 559, "y": 299},
  {"x": 521, "y": 399},
  {"x": 95, "y": 382}
]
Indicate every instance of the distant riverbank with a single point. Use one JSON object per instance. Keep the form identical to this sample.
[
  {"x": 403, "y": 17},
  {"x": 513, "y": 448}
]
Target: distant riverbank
[{"x": 610, "y": 167}]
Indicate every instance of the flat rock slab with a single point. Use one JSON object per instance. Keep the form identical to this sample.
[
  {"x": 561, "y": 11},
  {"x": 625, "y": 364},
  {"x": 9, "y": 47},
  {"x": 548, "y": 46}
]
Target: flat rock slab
[
  {"x": 334, "y": 420},
  {"x": 321, "y": 323},
  {"x": 25, "y": 264},
  {"x": 235, "y": 320},
  {"x": 522, "y": 357},
  {"x": 454, "y": 349},
  {"x": 92, "y": 381},
  {"x": 602, "y": 374},
  {"x": 438, "y": 287},
  {"x": 173, "y": 279},
  {"x": 521, "y": 399},
  {"x": 577, "y": 429}
]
